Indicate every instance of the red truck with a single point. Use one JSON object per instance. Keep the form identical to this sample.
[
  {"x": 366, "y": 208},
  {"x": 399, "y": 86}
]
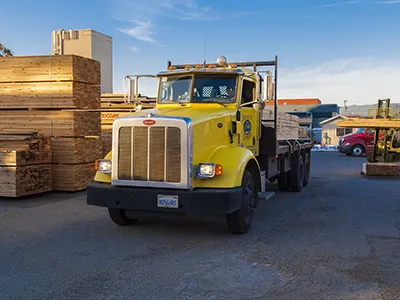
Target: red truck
[{"x": 357, "y": 143}]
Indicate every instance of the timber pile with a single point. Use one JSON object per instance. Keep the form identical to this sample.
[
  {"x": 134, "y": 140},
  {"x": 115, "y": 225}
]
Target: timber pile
[
  {"x": 106, "y": 139},
  {"x": 25, "y": 167},
  {"x": 68, "y": 94},
  {"x": 72, "y": 178},
  {"x": 59, "y": 97},
  {"x": 381, "y": 169},
  {"x": 62, "y": 81},
  {"x": 288, "y": 125},
  {"x": 116, "y": 101},
  {"x": 67, "y": 123},
  {"x": 76, "y": 150}
]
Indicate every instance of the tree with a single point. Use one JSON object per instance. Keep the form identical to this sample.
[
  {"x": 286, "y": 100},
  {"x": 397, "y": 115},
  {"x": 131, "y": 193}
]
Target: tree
[{"x": 5, "y": 51}]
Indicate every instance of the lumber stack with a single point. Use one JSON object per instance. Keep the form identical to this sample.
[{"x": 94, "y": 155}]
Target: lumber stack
[
  {"x": 62, "y": 81},
  {"x": 287, "y": 125},
  {"x": 59, "y": 97},
  {"x": 25, "y": 165},
  {"x": 66, "y": 123},
  {"x": 381, "y": 169}
]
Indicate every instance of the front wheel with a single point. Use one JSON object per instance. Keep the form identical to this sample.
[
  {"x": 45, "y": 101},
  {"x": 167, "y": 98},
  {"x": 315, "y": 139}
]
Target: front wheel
[
  {"x": 239, "y": 221},
  {"x": 118, "y": 216},
  {"x": 357, "y": 150}
]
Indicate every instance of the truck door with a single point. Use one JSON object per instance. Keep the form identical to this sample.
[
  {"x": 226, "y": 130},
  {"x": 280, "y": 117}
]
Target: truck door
[{"x": 249, "y": 118}]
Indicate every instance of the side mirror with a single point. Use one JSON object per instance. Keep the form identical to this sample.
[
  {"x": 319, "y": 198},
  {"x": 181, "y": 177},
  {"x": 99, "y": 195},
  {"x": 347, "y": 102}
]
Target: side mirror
[
  {"x": 259, "y": 105},
  {"x": 269, "y": 87}
]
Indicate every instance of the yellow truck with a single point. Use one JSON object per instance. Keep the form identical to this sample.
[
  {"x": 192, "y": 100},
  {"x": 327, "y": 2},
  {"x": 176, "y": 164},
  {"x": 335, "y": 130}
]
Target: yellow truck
[{"x": 203, "y": 149}]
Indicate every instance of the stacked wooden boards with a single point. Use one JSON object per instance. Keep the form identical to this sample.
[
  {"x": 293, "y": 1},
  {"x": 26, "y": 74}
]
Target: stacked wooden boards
[
  {"x": 288, "y": 125},
  {"x": 62, "y": 81},
  {"x": 381, "y": 169},
  {"x": 25, "y": 165},
  {"x": 59, "y": 97}
]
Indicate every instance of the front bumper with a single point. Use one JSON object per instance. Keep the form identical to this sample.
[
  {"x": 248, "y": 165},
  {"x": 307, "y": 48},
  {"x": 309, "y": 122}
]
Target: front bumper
[
  {"x": 344, "y": 149},
  {"x": 198, "y": 201}
]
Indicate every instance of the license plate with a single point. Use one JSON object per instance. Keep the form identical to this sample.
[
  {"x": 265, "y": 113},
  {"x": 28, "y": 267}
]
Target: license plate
[{"x": 167, "y": 201}]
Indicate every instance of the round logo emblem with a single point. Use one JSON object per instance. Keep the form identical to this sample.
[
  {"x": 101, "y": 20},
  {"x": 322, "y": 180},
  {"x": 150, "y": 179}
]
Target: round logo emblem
[{"x": 247, "y": 127}]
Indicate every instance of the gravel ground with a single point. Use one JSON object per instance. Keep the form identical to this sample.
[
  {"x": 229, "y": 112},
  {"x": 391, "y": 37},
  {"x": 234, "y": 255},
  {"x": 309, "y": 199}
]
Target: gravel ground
[{"x": 337, "y": 239}]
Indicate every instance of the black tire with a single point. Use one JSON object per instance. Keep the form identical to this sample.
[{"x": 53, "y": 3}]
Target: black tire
[
  {"x": 296, "y": 176},
  {"x": 357, "y": 150},
  {"x": 239, "y": 222},
  {"x": 119, "y": 217},
  {"x": 283, "y": 182},
  {"x": 307, "y": 168}
]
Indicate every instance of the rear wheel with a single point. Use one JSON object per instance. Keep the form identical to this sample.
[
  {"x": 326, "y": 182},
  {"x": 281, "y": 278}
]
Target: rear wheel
[
  {"x": 357, "y": 150},
  {"x": 239, "y": 221},
  {"x": 283, "y": 182},
  {"x": 118, "y": 216},
  {"x": 306, "y": 169},
  {"x": 297, "y": 174}
]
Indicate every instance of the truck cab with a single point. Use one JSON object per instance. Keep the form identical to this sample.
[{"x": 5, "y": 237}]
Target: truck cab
[
  {"x": 202, "y": 149},
  {"x": 357, "y": 143}
]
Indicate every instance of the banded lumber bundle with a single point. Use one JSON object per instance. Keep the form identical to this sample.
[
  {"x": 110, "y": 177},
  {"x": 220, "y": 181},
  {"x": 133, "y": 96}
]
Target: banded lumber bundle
[
  {"x": 381, "y": 169},
  {"x": 49, "y": 68},
  {"x": 106, "y": 139},
  {"x": 369, "y": 123},
  {"x": 21, "y": 150},
  {"x": 49, "y": 95},
  {"x": 66, "y": 123},
  {"x": 119, "y": 98},
  {"x": 72, "y": 178},
  {"x": 76, "y": 150},
  {"x": 25, "y": 180},
  {"x": 288, "y": 125},
  {"x": 108, "y": 117}
]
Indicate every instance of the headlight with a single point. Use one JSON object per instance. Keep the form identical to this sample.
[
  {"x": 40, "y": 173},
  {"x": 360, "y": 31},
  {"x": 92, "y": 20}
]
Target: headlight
[
  {"x": 208, "y": 170},
  {"x": 104, "y": 166},
  {"x": 346, "y": 144}
]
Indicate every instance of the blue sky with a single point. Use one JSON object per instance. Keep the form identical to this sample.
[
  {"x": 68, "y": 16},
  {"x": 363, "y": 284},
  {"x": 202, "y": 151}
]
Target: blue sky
[{"x": 330, "y": 49}]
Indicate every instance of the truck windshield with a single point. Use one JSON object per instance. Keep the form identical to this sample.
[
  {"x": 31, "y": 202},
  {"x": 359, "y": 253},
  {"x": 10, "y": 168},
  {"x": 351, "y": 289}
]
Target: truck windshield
[
  {"x": 360, "y": 130},
  {"x": 198, "y": 89}
]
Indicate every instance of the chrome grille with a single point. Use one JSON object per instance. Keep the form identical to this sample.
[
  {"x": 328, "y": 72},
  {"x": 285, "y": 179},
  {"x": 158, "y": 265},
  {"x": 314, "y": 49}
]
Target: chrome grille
[{"x": 149, "y": 154}]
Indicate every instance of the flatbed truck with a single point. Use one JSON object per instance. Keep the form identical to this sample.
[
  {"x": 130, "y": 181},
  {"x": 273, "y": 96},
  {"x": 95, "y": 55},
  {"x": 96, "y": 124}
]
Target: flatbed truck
[{"x": 203, "y": 149}]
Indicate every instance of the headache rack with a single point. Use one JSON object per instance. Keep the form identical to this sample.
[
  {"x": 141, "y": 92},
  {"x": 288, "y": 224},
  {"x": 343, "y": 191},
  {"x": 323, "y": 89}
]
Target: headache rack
[{"x": 254, "y": 64}]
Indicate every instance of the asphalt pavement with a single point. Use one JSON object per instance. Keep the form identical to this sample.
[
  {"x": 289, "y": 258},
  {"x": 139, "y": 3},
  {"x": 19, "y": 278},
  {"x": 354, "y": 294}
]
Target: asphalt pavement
[{"x": 337, "y": 239}]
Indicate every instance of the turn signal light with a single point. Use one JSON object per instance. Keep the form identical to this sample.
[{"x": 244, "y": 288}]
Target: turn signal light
[{"x": 218, "y": 170}]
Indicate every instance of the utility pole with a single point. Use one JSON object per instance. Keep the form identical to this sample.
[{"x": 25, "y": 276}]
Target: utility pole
[{"x": 345, "y": 107}]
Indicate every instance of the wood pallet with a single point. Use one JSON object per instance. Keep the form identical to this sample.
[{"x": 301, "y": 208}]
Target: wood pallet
[
  {"x": 72, "y": 178},
  {"x": 25, "y": 180},
  {"x": 49, "y": 95},
  {"x": 67, "y": 123},
  {"x": 49, "y": 68},
  {"x": 76, "y": 150}
]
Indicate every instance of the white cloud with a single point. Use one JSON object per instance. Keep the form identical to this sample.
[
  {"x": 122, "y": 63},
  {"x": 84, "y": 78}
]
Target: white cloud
[
  {"x": 342, "y": 3},
  {"x": 358, "y": 81},
  {"x": 134, "y": 49},
  {"x": 389, "y": 2},
  {"x": 143, "y": 31}
]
